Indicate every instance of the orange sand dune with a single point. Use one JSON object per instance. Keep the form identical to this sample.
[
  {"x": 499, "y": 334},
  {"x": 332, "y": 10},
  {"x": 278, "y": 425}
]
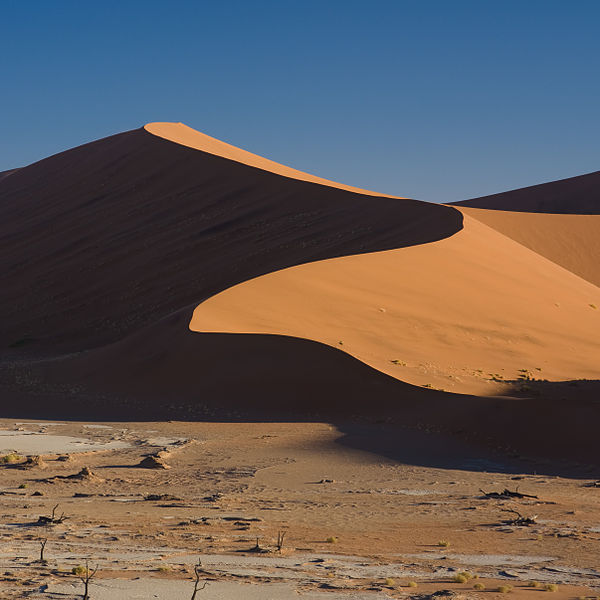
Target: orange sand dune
[
  {"x": 108, "y": 247},
  {"x": 571, "y": 241},
  {"x": 451, "y": 313},
  {"x": 110, "y": 237}
]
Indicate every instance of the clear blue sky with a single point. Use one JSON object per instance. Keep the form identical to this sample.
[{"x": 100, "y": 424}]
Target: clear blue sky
[{"x": 438, "y": 100}]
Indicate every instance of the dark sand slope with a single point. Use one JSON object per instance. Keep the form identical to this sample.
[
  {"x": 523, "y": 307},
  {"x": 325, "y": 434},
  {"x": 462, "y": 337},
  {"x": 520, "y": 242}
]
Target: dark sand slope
[
  {"x": 112, "y": 236},
  {"x": 576, "y": 195},
  {"x": 4, "y": 174}
]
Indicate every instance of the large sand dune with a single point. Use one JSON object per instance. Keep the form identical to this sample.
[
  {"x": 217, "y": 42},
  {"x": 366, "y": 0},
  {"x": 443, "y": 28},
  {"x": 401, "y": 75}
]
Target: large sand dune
[
  {"x": 311, "y": 298},
  {"x": 110, "y": 237}
]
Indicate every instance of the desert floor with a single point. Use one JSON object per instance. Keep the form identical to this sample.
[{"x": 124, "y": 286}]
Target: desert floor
[{"x": 358, "y": 524}]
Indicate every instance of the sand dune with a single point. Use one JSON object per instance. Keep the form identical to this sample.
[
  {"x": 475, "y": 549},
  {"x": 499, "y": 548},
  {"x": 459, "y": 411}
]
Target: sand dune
[
  {"x": 318, "y": 299},
  {"x": 110, "y": 237},
  {"x": 451, "y": 313},
  {"x": 575, "y": 195},
  {"x": 571, "y": 241}
]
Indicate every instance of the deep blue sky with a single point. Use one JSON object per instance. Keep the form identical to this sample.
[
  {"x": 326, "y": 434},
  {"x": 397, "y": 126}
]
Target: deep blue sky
[{"x": 439, "y": 100}]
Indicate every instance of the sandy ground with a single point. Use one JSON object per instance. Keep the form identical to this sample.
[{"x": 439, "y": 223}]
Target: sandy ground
[{"x": 356, "y": 525}]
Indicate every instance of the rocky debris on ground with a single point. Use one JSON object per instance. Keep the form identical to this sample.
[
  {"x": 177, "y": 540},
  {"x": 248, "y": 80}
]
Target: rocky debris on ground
[{"x": 153, "y": 462}]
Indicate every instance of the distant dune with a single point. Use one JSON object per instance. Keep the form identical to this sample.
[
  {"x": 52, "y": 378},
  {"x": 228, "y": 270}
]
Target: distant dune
[
  {"x": 161, "y": 273},
  {"x": 571, "y": 241},
  {"x": 576, "y": 196}
]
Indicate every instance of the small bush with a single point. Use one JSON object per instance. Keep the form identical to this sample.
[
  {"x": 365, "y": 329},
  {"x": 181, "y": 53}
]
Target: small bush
[
  {"x": 479, "y": 586},
  {"x": 79, "y": 570},
  {"x": 332, "y": 540},
  {"x": 11, "y": 458},
  {"x": 460, "y": 578},
  {"x": 444, "y": 544},
  {"x": 534, "y": 584},
  {"x": 551, "y": 587},
  {"x": 390, "y": 582},
  {"x": 505, "y": 589},
  {"x": 412, "y": 584},
  {"x": 23, "y": 486}
]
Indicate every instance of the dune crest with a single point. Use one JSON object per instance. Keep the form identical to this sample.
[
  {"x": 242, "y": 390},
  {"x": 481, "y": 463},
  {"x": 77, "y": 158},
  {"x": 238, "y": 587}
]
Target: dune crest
[{"x": 186, "y": 136}]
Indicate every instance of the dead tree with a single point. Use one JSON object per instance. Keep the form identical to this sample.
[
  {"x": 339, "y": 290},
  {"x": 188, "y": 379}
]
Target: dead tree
[
  {"x": 86, "y": 577},
  {"x": 520, "y": 520},
  {"x": 42, "y": 548},
  {"x": 280, "y": 538},
  {"x": 506, "y": 495},
  {"x": 52, "y": 519},
  {"x": 197, "y": 572}
]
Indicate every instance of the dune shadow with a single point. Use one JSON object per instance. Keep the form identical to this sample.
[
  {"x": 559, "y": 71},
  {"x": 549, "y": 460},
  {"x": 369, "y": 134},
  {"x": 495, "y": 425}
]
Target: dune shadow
[{"x": 167, "y": 372}]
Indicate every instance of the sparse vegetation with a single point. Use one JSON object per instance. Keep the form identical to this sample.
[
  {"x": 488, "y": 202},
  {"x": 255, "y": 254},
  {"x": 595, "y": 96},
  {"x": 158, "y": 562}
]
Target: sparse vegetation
[
  {"x": 332, "y": 540},
  {"x": 534, "y": 584},
  {"x": 593, "y": 306},
  {"x": 390, "y": 582},
  {"x": 86, "y": 575},
  {"x": 444, "y": 544},
  {"x": 11, "y": 458},
  {"x": 551, "y": 587},
  {"x": 505, "y": 589},
  {"x": 479, "y": 586},
  {"x": 463, "y": 577},
  {"x": 412, "y": 584}
]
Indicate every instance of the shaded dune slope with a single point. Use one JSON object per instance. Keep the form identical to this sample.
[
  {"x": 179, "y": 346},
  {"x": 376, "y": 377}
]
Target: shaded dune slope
[
  {"x": 167, "y": 372},
  {"x": 107, "y": 238},
  {"x": 4, "y": 174},
  {"x": 571, "y": 241},
  {"x": 575, "y": 195}
]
